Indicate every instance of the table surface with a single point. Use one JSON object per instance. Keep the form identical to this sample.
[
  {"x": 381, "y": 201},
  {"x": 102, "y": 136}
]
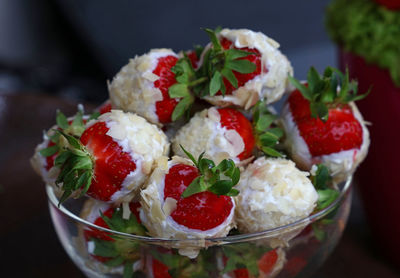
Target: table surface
[{"x": 29, "y": 244}]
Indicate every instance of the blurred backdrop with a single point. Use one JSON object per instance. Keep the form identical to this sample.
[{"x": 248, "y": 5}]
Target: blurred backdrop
[{"x": 70, "y": 47}]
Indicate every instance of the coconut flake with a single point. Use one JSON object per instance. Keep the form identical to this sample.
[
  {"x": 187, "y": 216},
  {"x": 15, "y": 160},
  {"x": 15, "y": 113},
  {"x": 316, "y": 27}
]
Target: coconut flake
[
  {"x": 236, "y": 140},
  {"x": 169, "y": 206},
  {"x": 214, "y": 115},
  {"x": 126, "y": 211}
]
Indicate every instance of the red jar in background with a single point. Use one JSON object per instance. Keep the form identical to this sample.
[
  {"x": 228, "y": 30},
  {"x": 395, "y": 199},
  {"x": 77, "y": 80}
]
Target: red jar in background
[{"x": 379, "y": 175}]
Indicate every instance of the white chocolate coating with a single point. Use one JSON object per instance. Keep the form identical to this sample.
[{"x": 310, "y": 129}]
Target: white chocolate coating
[
  {"x": 273, "y": 193},
  {"x": 270, "y": 85},
  {"x": 341, "y": 164},
  {"x": 132, "y": 89},
  {"x": 204, "y": 133}
]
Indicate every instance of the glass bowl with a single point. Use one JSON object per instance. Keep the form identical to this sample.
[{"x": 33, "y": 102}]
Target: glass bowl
[{"x": 294, "y": 250}]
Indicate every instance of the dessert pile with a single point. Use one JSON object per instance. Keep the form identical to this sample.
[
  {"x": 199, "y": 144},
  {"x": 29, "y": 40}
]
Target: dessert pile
[{"x": 188, "y": 147}]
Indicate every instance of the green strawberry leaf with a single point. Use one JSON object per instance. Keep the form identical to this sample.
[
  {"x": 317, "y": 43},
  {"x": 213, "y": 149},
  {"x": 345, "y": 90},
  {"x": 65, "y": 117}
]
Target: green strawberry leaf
[
  {"x": 266, "y": 134},
  {"x": 326, "y": 197},
  {"x": 49, "y": 151},
  {"x": 94, "y": 115},
  {"x": 321, "y": 181},
  {"x": 215, "y": 83},
  {"x": 211, "y": 175},
  {"x": 214, "y": 40},
  {"x": 332, "y": 89},
  {"x": 228, "y": 74},
  {"x": 242, "y": 66},
  {"x": 198, "y": 49},
  {"x": 182, "y": 108},
  {"x": 178, "y": 90},
  {"x": 61, "y": 120}
]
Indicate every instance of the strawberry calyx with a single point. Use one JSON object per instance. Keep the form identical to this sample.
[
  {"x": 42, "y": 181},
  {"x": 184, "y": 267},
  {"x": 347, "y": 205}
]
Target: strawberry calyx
[
  {"x": 73, "y": 127},
  {"x": 331, "y": 90},
  {"x": 218, "y": 179},
  {"x": 77, "y": 167},
  {"x": 322, "y": 181},
  {"x": 218, "y": 64},
  {"x": 266, "y": 132}
]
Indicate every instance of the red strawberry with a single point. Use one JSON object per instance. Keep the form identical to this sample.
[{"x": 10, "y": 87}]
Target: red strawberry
[
  {"x": 165, "y": 107},
  {"x": 201, "y": 211},
  {"x": 321, "y": 119},
  {"x": 111, "y": 163},
  {"x": 105, "y": 107},
  {"x": 199, "y": 199},
  {"x": 242, "y": 78},
  {"x": 102, "y": 163},
  {"x": 233, "y": 119},
  {"x": 390, "y": 4},
  {"x": 342, "y": 131},
  {"x": 194, "y": 59}
]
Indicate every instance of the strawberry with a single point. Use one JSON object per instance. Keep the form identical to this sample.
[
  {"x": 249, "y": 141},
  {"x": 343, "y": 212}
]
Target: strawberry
[
  {"x": 194, "y": 195},
  {"x": 103, "y": 162},
  {"x": 105, "y": 107},
  {"x": 233, "y": 119},
  {"x": 143, "y": 86},
  {"x": 242, "y": 78},
  {"x": 110, "y": 250},
  {"x": 221, "y": 133},
  {"x": 390, "y": 4},
  {"x": 342, "y": 131},
  {"x": 327, "y": 121},
  {"x": 194, "y": 55},
  {"x": 202, "y": 211},
  {"x": 166, "y": 106}
]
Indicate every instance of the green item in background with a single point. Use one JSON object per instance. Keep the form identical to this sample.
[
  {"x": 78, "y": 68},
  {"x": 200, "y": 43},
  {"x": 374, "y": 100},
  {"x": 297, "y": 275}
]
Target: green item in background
[{"x": 368, "y": 30}]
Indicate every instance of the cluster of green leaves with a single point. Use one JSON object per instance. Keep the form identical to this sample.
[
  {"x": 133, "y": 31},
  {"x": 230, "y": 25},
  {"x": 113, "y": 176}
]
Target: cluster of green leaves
[
  {"x": 218, "y": 179},
  {"x": 326, "y": 196},
  {"x": 266, "y": 134},
  {"x": 331, "y": 89},
  {"x": 322, "y": 181},
  {"x": 185, "y": 76},
  {"x": 74, "y": 161},
  {"x": 76, "y": 128},
  {"x": 218, "y": 63},
  {"x": 182, "y": 266},
  {"x": 368, "y": 30},
  {"x": 120, "y": 251},
  {"x": 243, "y": 255},
  {"x": 76, "y": 166}
]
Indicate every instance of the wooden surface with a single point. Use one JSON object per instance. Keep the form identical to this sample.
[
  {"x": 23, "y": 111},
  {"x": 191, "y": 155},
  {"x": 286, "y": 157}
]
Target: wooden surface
[{"x": 29, "y": 245}]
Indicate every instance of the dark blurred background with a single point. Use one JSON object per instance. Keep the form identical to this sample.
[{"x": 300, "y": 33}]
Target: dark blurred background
[{"x": 70, "y": 48}]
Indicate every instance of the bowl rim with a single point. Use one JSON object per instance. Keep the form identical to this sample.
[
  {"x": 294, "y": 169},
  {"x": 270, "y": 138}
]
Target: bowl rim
[{"x": 274, "y": 232}]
